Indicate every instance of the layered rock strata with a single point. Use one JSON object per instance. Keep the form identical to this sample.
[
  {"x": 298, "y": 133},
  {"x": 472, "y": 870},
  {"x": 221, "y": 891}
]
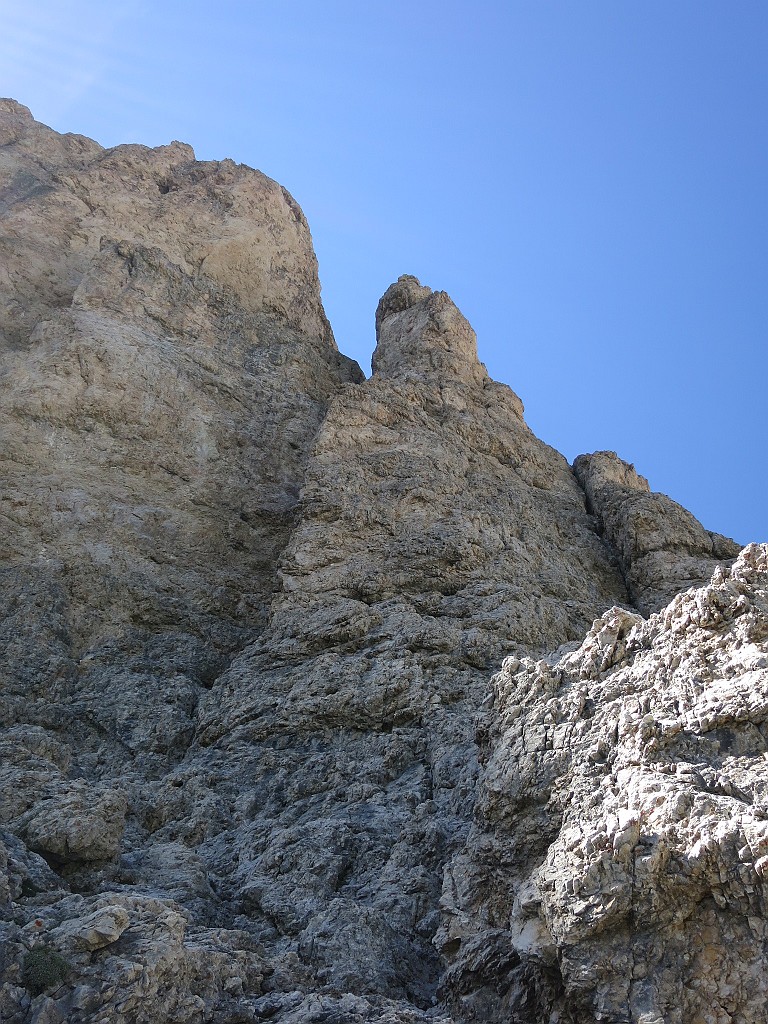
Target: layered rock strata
[{"x": 251, "y": 606}]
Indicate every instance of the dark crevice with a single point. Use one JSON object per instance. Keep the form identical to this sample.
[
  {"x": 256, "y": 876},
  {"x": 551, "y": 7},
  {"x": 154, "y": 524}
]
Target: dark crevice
[{"x": 600, "y": 531}]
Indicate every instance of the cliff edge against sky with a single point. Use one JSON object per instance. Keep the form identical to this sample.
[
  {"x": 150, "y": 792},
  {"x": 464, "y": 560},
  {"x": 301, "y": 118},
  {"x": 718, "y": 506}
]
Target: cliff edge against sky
[{"x": 260, "y": 757}]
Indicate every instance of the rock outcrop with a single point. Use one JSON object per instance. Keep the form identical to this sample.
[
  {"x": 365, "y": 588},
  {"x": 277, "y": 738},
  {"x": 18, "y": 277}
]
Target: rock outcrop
[
  {"x": 662, "y": 549},
  {"x": 253, "y": 763},
  {"x": 166, "y": 366},
  {"x": 618, "y": 868}
]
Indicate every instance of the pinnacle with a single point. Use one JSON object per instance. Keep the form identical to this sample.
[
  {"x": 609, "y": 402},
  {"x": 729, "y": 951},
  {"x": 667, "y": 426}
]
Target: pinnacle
[
  {"x": 401, "y": 295},
  {"x": 422, "y": 331}
]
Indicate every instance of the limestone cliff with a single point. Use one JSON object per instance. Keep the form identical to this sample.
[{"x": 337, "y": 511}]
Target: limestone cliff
[{"x": 256, "y": 762}]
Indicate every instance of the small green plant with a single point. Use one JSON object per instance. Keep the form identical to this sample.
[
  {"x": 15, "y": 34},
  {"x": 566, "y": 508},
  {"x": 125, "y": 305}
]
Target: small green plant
[{"x": 43, "y": 967}]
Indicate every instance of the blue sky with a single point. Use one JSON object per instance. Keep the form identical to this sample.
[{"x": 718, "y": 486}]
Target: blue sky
[{"x": 586, "y": 178}]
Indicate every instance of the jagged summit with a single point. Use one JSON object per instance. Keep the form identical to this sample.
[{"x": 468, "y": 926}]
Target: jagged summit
[
  {"x": 401, "y": 295},
  {"x": 422, "y": 331},
  {"x": 257, "y": 760}
]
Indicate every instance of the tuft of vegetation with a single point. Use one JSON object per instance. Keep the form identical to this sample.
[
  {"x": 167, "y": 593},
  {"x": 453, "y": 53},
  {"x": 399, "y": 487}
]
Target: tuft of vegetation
[{"x": 43, "y": 967}]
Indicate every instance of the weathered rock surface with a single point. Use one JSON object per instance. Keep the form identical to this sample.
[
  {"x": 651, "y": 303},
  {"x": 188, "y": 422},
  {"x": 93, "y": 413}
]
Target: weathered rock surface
[
  {"x": 251, "y": 605},
  {"x": 166, "y": 366},
  {"x": 662, "y": 548},
  {"x": 618, "y": 864}
]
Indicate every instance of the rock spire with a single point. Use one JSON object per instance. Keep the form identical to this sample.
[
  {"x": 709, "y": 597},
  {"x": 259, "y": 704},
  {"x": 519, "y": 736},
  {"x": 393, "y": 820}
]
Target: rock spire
[{"x": 421, "y": 332}]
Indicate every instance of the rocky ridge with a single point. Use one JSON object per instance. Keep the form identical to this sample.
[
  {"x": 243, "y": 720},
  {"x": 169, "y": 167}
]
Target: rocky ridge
[{"x": 253, "y": 766}]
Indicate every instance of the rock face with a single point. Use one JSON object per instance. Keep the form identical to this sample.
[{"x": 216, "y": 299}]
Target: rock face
[
  {"x": 166, "y": 366},
  {"x": 254, "y": 765},
  {"x": 618, "y": 866},
  {"x": 662, "y": 548}
]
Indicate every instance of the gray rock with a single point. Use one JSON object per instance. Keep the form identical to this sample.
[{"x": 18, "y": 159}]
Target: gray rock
[
  {"x": 250, "y": 765},
  {"x": 94, "y": 931},
  {"x": 78, "y": 823},
  {"x": 166, "y": 364},
  {"x": 617, "y": 868},
  {"x": 662, "y": 548}
]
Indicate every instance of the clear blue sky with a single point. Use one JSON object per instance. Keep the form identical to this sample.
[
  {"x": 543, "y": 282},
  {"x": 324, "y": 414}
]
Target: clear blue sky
[{"x": 588, "y": 179}]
